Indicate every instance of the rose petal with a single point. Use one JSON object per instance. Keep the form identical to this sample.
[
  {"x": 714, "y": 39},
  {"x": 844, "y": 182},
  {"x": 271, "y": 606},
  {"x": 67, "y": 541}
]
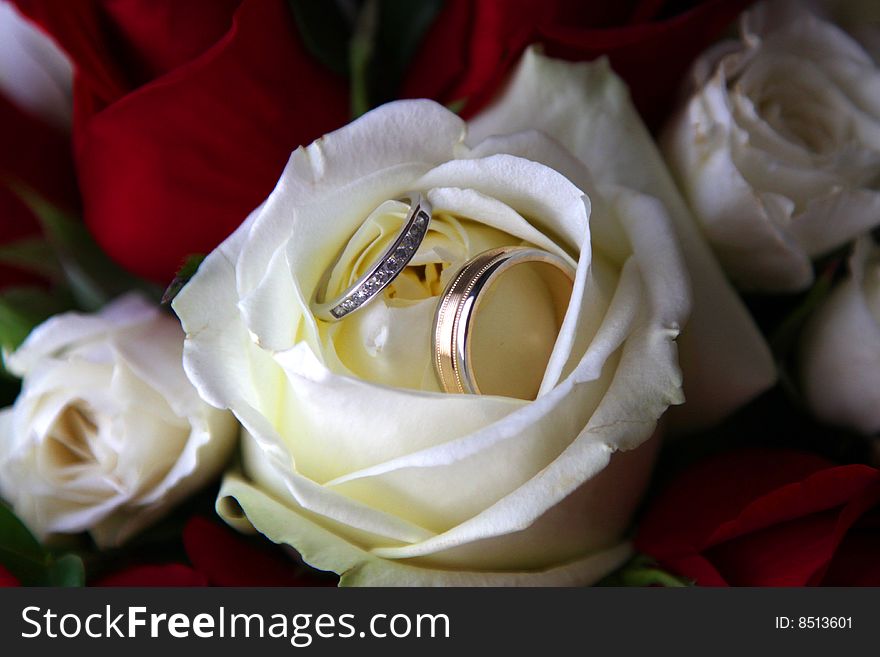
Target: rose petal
[
  {"x": 181, "y": 178},
  {"x": 241, "y": 503},
  {"x": 216, "y": 378},
  {"x": 7, "y": 579},
  {"x": 61, "y": 331},
  {"x": 34, "y": 73},
  {"x": 226, "y": 559},
  {"x": 853, "y": 213},
  {"x": 173, "y": 574},
  {"x": 39, "y": 156},
  {"x": 759, "y": 517},
  {"x": 855, "y": 562},
  {"x": 679, "y": 509},
  {"x": 471, "y": 46}
]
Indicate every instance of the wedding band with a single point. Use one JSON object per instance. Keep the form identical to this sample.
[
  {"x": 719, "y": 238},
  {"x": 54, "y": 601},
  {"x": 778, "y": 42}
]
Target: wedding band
[
  {"x": 454, "y": 318},
  {"x": 381, "y": 273}
]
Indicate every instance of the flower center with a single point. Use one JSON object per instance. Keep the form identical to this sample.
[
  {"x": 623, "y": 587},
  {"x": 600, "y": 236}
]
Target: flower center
[
  {"x": 803, "y": 123},
  {"x": 70, "y": 440}
]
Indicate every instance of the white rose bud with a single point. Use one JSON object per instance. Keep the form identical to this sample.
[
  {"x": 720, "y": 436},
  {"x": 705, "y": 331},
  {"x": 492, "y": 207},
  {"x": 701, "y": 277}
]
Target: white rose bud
[
  {"x": 107, "y": 433},
  {"x": 778, "y": 148},
  {"x": 840, "y": 348}
]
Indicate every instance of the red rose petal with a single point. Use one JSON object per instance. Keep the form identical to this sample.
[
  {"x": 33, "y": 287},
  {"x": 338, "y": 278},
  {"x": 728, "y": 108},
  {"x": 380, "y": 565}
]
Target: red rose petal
[
  {"x": 7, "y": 579},
  {"x": 228, "y": 559},
  {"x": 758, "y": 518},
  {"x": 173, "y": 574},
  {"x": 684, "y": 515},
  {"x": 798, "y": 552},
  {"x": 123, "y": 44},
  {"x": 173, "y": 166},
  {"x": 176, "y": 166},
  {"x": 474, "y": 44},
  {"x": 652, "y": 57},
  {"x": 788, "y": 554},
  {"x": 857, "y": 561},
  {"x": 39, "y": 156},
  {"x": 828, "y": 489},
  {"x": 471, "y": 47},
  {"x": 695, "y": 568}
]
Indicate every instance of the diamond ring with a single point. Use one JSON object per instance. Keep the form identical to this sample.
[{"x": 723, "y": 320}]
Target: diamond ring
[
  {"x": 509, "y": 355},
  {"x": 383, "y": 271}
]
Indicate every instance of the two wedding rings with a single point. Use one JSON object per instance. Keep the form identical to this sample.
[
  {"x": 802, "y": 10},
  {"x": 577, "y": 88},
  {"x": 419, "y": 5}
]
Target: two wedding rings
[{"x": 458, "y": 317}]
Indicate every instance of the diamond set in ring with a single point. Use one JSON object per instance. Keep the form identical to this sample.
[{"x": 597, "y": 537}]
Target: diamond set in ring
[{"x": 390, "y": 265}]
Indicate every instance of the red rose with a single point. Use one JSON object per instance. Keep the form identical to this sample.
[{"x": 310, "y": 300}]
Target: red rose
[
  {"x": 219, "y": 557},
  {"x": 39, "y": 156},
  {"x": 768, "y": 518},
  {"x": 650, "y": 43},
  {"x": 184, "y": 116}
]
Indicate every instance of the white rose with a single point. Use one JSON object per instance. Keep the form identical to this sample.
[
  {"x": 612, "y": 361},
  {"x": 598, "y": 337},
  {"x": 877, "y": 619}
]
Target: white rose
[
  {"x": 840, "y": 348},
  {"x": 107, "y": 433},
  {"x": 778, "y": 149},
  {"x": 351, "y": 454}
]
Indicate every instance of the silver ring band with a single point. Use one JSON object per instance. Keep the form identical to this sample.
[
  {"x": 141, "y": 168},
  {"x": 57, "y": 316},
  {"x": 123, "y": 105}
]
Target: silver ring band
[
  {"x": 386, "y": 268},
  {"x": 456, "y": 311}
]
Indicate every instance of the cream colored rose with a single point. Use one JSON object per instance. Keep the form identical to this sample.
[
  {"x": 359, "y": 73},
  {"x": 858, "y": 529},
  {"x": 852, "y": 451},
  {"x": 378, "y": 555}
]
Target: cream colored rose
[
  {"x": 840, "y": 349},
  {"x": 778, "y": 148},
  {"x": 107, "y": 433},
  {"x": 352, "y": 455}
]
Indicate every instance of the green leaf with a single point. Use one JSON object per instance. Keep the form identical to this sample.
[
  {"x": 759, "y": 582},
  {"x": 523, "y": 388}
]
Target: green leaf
[
  {"x": 641, "y": 570},
  {"x": 325, "y": 30},
  {"x": 23, "y": 556},
  {"x": 93, "y": 278},
  {"x": 21, "y": 309},
  {"x": 652, "y": 577},
  {"x": 457, "y": 105},
  {"x": 67, "y": 570},
  {"x": 33, "y": 255},
  {"x": 20, "y": 553},
  {"x": 187, "y": 271}
]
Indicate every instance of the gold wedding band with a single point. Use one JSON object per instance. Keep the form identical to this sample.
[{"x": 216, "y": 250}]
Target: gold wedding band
[{"x": 455, "y": 316}]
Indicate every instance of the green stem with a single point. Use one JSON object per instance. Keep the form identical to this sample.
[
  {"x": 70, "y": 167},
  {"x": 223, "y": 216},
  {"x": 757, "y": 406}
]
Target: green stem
[{"x": 361, "y": 56}]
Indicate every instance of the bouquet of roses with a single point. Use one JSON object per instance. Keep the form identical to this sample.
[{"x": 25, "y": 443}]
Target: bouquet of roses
[{"x": 439, "y": 293}]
